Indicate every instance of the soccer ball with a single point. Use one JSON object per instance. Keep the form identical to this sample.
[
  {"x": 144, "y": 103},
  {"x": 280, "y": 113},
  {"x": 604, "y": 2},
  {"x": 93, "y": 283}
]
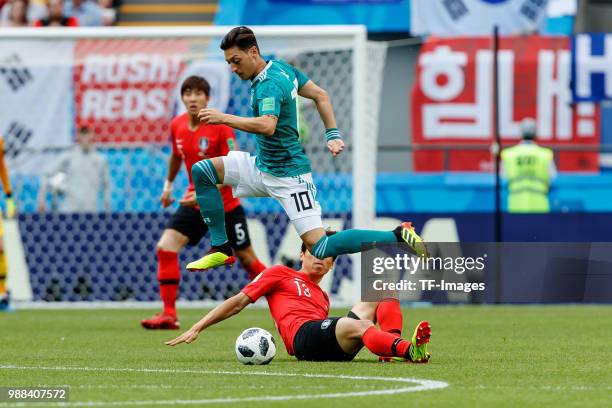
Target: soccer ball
[{"x": 255, "y": 346}]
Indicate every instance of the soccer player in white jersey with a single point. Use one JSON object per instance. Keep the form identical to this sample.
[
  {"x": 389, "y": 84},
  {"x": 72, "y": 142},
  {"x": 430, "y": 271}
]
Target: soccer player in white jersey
[{"x": 280, "y": 169}]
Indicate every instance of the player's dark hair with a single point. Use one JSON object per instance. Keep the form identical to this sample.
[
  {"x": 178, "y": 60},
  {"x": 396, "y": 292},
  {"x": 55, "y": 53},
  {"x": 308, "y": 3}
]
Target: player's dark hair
[
  {"x": 84, "y": 129},
  {"x": 328, "y": 233},
  {"x": 195, "y": 83},
  {"x": 241, "y": 37}
]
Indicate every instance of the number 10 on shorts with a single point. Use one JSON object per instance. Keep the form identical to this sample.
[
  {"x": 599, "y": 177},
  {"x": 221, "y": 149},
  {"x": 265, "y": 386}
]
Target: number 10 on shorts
[{"x": 302, "y": 201}]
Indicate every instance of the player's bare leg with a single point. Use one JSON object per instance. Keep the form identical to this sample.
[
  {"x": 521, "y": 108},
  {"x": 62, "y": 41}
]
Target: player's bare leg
[
  {"x": 350, "y": 330},
  {"x": 310, "y": 238},
  {"x": 352, "y": 334},
  {"x": 246, "y": 256},
  {"x": 349, "y": 333},
  {"x": 250, "y": 262},
  {"x": 365, "y": 310},
  {"x": 207, "y": 175},
  {"x": 387, "y": 314},
  {"x": 172, "y": 240},
  {"x": 217, "y": 162},
  {"x": 168, "y": 275}
]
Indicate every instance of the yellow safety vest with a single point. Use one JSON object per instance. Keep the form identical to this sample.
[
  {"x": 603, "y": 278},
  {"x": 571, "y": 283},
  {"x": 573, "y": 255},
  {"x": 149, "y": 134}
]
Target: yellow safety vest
[{"x": 526, "y": 167}]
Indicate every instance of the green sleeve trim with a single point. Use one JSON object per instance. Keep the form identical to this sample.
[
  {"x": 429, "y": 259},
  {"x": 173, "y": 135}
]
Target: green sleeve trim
[{"x": 332, "y": 134}]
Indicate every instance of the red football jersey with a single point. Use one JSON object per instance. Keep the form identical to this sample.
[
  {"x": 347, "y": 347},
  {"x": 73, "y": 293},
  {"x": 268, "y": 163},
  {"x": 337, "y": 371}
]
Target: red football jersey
[
  {"x": 205, "y": 142},
  {"x": 292, "y": 297}
]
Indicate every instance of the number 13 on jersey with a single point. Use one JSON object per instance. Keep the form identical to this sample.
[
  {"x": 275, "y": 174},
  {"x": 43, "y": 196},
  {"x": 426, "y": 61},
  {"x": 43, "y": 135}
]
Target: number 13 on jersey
[{"x": 302, "y": 289}]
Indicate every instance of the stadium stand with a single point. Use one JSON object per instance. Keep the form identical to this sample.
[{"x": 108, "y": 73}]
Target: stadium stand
[{"x": 166, "y": 13}]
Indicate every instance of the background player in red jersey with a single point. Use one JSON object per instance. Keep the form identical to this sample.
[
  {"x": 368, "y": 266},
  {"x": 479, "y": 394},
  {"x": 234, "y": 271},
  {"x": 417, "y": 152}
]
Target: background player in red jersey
[
  {"x": 193, "y": 141},
  {"x": 300, "y": 309}
]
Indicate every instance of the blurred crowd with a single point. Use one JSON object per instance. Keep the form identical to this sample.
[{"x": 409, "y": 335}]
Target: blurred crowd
[{"x": 68, "y": 13}]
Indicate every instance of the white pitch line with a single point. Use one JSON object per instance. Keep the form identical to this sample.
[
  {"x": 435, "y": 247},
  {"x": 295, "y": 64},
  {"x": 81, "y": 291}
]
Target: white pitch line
[
  {"x": 422, "y": 385},
  {"x": 536, "y": 387},
  {"x": 169, "y": 387}
]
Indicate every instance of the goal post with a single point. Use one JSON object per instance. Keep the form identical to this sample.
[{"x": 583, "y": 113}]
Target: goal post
[{"x": 123, "y": 82}]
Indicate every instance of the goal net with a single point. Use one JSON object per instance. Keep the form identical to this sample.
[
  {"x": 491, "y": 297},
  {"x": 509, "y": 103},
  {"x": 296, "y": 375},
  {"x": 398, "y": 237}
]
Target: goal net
[{"x": 123, "y": 84}]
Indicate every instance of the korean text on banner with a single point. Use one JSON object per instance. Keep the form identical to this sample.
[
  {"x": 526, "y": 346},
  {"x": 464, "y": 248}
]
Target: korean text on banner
[{"x": 452, "y": 101}]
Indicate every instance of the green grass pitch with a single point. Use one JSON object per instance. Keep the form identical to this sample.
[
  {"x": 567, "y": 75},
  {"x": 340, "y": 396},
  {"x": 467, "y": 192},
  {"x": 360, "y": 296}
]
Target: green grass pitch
[{"x": 488, "y": 355}]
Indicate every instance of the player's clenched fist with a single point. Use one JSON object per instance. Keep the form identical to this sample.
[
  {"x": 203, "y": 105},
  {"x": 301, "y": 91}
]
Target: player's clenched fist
[
  {"x": 335, "y": 146},
  {"x": 211, "y": 116},
  {"x": 166, "y": 198}
]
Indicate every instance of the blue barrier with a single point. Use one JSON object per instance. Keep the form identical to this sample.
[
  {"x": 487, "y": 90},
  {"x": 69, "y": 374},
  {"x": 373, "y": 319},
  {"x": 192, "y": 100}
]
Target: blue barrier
[
  {"x": 554, "y": 227},
  {"x": 474, "y": 192},
  {"x": 73, "y": 257},
  {"x": 378, "y": 16},
  {"x": 578, "y": 270},
  {"x": 137, "y": 176},
  {"x": 395, "y": 193},
  {"x": 112, "y": 256}
]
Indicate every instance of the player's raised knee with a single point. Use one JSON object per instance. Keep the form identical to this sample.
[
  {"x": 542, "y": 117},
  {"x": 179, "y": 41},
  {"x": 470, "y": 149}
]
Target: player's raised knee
[
  {"x": 360, "y": 327},
  {"x": 364, "y": 324},
  {"x": 171, "y": 241},
  {"x": 204, "y": 172},
  {"x": 352, "y": 328}
]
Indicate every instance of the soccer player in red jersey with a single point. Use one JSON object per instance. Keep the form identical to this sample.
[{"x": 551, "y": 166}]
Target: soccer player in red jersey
[
  {"x": 193, "y": 141},
  {"x": 300, "y": 309}
]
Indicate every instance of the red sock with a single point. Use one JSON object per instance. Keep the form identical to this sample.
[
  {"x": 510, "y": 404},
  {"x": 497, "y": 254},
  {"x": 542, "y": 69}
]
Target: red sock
[
  {"x": 389, "y": 316},
  {"x": 169, "y": 276},
  {"x": 254, "y": 268},
  {"x": 384, "y": 344}
]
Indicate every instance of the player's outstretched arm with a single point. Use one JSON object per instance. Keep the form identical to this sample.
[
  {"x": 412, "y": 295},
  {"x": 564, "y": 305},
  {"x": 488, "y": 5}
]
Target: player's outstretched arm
[
  {"x": 262, "y": 125},
  {"x": 321, "y": 99},
  {"x": 224, "y": 311}
]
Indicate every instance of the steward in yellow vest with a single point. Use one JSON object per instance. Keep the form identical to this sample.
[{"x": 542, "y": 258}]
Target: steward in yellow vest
[{"x": 529, "y": 169}]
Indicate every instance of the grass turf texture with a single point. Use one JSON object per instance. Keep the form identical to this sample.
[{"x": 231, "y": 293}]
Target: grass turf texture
[{"x": 489, "y": 355}]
